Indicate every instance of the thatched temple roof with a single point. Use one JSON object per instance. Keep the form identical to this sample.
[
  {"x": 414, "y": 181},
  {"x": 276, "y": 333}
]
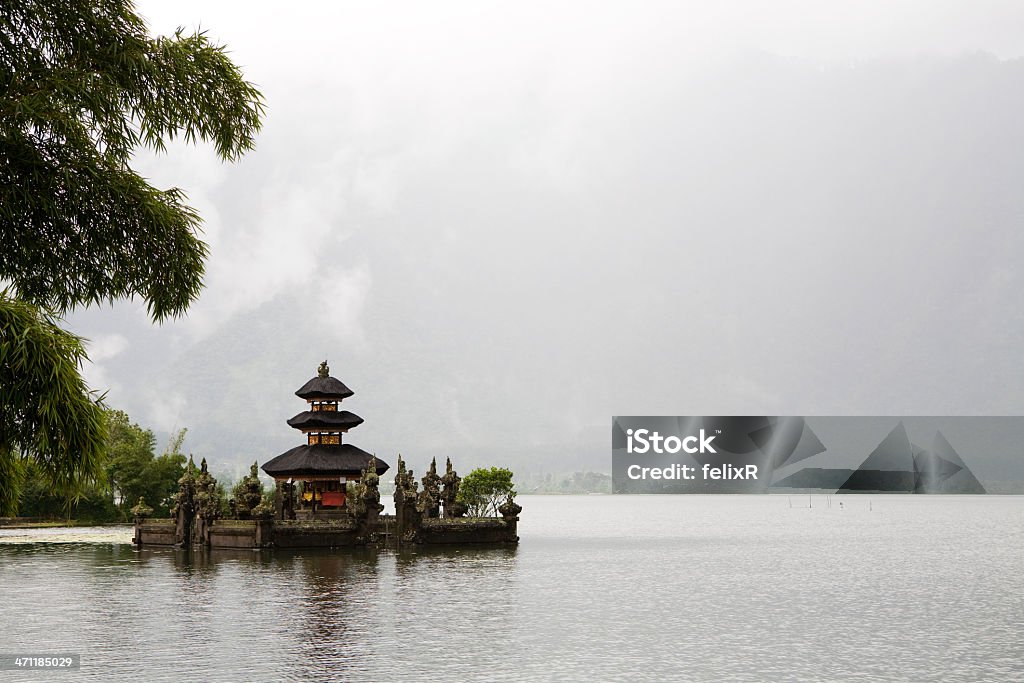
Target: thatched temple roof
[
  {"x": 326, "y": 420},
  {"x": 320, "y": 388},
  {"x": 322, "y": 460}
]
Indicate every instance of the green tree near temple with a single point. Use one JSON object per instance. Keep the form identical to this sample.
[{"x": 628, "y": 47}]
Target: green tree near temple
[
  {"x": 82, "y": 86},
  {"x": 133, "y": 469},
  {"x": 129, "y": 453},
  {"x": 482, "y": 491},
  {"x": 90, "y": 502}
]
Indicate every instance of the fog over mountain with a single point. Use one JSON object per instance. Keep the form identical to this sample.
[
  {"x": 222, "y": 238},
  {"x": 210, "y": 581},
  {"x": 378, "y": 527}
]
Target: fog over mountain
[{"x": 502, "y": 224}]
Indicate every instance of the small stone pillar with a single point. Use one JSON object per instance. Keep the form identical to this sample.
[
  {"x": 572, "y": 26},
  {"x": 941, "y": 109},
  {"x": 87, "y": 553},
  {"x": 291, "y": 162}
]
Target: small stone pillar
[
  {"x": 264, "y": 533},
  {"x": 139, "y": 514},
  {"x": 510, "y": 512}
]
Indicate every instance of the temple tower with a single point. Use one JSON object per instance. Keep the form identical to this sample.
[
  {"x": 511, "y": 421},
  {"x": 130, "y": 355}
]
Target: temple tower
[{"x": 312, "y": 479}]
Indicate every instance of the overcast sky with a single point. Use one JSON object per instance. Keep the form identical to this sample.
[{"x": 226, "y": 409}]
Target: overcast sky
[{"x": 503, "y": 223}]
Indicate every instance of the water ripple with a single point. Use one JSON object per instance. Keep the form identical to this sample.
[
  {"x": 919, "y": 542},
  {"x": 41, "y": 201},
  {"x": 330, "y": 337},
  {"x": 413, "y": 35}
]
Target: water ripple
[{"x": 738, "y": 588}]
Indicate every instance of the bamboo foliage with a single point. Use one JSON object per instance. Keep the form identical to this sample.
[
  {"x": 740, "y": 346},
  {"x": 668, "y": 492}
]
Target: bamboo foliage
[
  {"x": 46, "y": 410},
  {"x": 82, "y": 86}
]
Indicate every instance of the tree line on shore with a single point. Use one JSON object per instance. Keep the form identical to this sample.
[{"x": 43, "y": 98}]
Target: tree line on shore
[{"x": 130, "y": 469}]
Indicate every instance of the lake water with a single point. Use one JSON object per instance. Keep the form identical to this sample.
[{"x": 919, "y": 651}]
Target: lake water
[{"x": 695, "y": 588}]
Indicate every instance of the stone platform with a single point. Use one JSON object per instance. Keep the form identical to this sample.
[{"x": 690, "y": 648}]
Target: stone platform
[{"x": 330, "y": 533}]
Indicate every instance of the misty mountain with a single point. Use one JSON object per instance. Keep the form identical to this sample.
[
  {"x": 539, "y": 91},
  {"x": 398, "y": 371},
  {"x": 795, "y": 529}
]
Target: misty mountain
[{"x": 742, "y": 234}]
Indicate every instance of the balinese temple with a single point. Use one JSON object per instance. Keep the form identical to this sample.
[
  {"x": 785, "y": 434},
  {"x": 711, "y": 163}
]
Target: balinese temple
[{"x": 312, "y": 479}]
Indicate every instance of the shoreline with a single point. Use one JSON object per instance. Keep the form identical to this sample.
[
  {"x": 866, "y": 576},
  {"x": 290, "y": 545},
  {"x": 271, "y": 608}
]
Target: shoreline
[{"x": 72, "y": 524}]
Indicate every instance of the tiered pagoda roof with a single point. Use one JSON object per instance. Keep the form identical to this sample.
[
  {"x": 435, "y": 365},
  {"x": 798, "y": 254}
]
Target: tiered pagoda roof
[
  {"x": 324, "y": 454},
  {"x": 341, "y": 460},
  {"x": 324, "y": 388},
  {"x": 325, "y": 420}
]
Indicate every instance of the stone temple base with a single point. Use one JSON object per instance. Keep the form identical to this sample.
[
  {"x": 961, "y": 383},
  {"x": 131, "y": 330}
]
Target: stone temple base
[
  {"x": 322, "y": 514},
  {"x": 340, "y": 532}
]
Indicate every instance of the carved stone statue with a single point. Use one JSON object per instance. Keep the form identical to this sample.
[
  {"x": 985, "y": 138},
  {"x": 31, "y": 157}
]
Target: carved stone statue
[
  {"x": 370, "y": 482},
  {"x": 356, "y": 504},
  {"x": 249, "y": 494},
  {"x": 207, "y": 505},
  {"x": 364, "y": 504},
  {"x": 430, "y": 498},
  {"x": 141, "y": 510},
  {"x": 207, "y": 498},
  {"x": 450, "y": 493},
  {"x": 427, "y": 503},
  {"x": 510, "y": 509},
  {"x": 408, "y": 517},
  {"x": 323, "y": 371},
  {"x": 184, "y": 506}
]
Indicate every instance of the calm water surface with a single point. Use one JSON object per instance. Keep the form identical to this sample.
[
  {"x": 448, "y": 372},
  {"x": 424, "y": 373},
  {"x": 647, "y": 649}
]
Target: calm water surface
[{"x": 731, "y": 588}]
